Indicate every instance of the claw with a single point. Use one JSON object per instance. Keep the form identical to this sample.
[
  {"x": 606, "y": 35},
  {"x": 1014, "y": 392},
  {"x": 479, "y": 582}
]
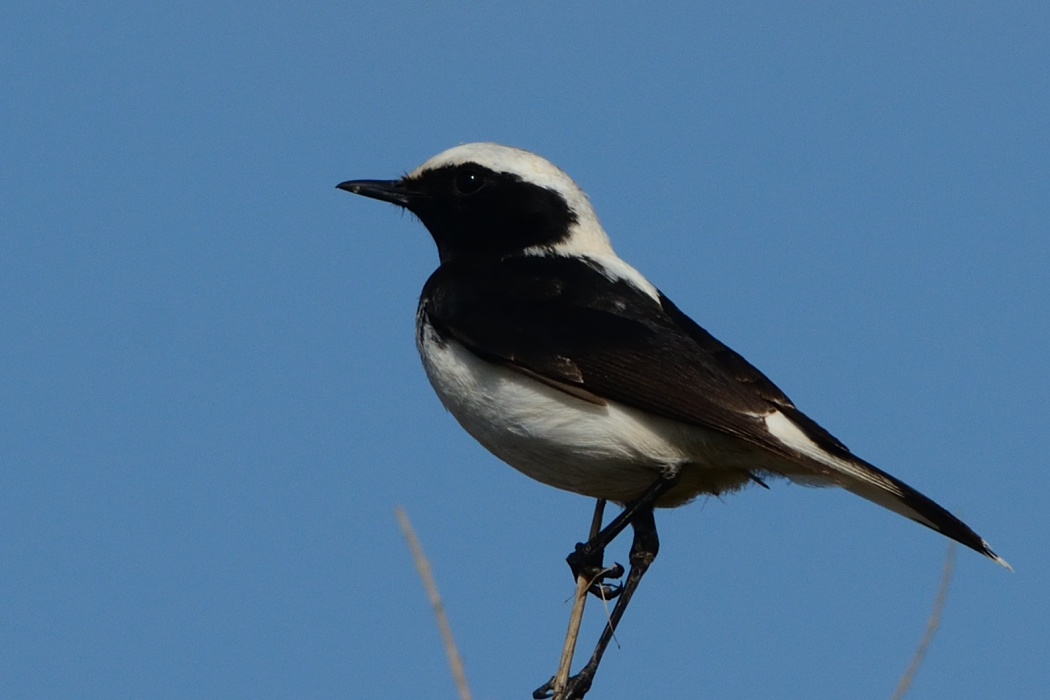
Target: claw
[
  {"x": 587, "y": 563},
  {"x": 600, "y": 589},
  {"x": 544, "y": 691},
  {"x": 605, "y": 592}
]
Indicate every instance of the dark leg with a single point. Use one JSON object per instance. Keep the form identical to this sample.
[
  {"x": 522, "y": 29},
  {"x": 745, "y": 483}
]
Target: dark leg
[
  {"x": 587, "y": 558},
  {"x": 643, "y": 551}
]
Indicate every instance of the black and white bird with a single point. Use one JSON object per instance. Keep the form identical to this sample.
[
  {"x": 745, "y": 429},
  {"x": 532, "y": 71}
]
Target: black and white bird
[{"x": 569, "y": 365}]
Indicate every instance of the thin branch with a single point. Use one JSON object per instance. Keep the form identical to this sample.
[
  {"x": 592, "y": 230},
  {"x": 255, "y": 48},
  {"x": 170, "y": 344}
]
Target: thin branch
[
  {"x": 931, "y": 626},
  {"x": 578, "y": 603},
  {"x": 455, "y": 663}
]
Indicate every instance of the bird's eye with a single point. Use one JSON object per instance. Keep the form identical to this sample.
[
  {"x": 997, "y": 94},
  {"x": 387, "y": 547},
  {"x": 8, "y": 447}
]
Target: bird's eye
[{"x": 468, "y": 181}]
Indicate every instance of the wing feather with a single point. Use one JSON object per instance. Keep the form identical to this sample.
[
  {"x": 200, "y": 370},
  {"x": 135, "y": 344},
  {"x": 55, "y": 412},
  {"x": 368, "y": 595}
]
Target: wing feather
[
  {"x": 562, "y": 319},
  {"x": 569, "y": 324}
]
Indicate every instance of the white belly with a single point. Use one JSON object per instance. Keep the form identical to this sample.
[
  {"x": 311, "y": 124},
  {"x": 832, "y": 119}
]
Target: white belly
[{"x": 611, "y": 451}]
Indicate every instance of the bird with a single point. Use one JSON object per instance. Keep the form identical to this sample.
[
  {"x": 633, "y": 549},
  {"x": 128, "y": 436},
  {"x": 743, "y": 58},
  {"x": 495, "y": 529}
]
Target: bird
[{"x": 566, "y": 363}]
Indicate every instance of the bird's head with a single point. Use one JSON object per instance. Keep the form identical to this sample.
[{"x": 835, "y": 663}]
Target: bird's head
[{"x": 487, "y": 200}]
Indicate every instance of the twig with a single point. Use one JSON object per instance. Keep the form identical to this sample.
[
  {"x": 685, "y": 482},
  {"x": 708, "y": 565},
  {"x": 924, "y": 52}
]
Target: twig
[
  {"x": 931, "y": 626},
  {"x": 455, "y": 663},
  {"x": 578, "y": 603}
]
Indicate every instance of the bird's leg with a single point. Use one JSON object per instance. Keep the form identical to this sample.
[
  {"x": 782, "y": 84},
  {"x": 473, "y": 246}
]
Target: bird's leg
[
  {"x": 587, "y": 559},
  {"x": 643, "y": 552}
]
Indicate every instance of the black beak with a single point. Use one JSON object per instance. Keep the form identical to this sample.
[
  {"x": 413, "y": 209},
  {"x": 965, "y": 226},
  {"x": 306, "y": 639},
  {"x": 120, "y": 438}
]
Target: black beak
[{"x": 393, "y": 191}]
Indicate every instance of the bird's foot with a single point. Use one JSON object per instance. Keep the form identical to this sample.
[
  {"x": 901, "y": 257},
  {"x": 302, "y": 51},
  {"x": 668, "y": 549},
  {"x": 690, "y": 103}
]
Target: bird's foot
[
  {"x": 544, "y": 691},
  {"x": 578, "y": 685},
  {"x": 575, "y": 688},
  {"x": 587, "y": 562}
]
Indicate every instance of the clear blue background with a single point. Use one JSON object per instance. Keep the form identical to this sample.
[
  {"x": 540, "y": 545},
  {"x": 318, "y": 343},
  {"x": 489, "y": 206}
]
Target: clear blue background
[{"x": 210, "y": 400}]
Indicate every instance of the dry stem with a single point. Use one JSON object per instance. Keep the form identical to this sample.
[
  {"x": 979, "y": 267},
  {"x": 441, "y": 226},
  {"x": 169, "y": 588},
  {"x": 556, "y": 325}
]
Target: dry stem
[
  {"x": 931, "y": 626},
  {"x": 455, "y": 663},
  {"x": 578, "y": 603}
]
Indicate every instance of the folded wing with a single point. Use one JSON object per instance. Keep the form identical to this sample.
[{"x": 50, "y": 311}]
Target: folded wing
[{"x": 567, "y": 322}]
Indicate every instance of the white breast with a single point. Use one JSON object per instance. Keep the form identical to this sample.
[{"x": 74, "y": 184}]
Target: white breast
[{"x": 611, "y": 451}]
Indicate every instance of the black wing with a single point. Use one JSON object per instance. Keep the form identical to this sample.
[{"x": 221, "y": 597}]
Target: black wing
[{"x": 565, "y": 321}]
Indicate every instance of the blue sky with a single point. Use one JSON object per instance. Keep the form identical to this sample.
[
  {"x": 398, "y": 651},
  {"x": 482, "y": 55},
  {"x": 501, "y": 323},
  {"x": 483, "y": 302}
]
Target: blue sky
[{"x": 210, "y": 399}]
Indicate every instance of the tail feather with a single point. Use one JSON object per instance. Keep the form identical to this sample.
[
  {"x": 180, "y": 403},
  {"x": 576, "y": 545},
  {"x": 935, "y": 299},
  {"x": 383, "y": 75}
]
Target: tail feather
[
  {"x": 832, "y": 463},
  {"x": 912, "y": 504}
]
